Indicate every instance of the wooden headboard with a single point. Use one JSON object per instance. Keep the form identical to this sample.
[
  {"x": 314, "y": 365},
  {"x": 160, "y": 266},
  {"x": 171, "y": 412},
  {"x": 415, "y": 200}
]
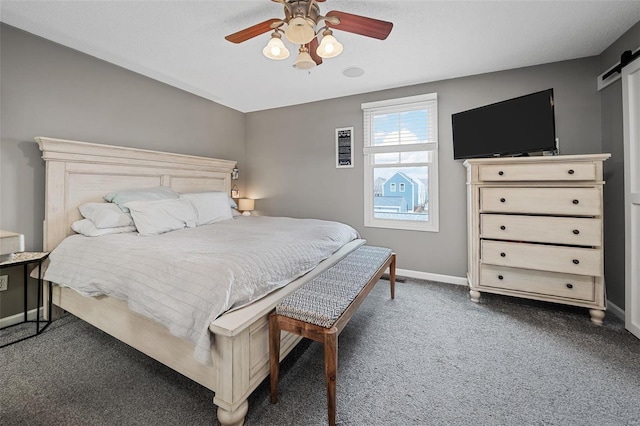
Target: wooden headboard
[{"x": 81, "y": 172}]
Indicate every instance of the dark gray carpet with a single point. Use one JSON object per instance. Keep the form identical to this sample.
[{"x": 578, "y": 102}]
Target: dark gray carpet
[{"x": 430, "y": 357}]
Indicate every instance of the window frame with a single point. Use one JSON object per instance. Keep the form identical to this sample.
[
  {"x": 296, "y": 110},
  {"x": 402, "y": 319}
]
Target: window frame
[{"x": 411, "y": 103}]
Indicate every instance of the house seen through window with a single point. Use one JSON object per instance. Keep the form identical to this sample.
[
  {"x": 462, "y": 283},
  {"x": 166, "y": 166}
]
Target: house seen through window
[{"x": 401, "y": 163}]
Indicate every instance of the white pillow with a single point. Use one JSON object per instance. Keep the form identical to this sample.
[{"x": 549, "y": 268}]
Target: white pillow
[
  {"x": 105, "y": 215},
  {"x": 211, "y": 207},
  {"x": 87, "y": 228},
  {"x": 157, "y": 217},
  {"x": 148, "y": 194}
]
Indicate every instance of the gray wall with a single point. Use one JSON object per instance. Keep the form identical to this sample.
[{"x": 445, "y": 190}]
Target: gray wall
[
  {"x": 51, "y": 90},
  {"x": 291, "y": 154},
  {"x": 613, "y": 141}
]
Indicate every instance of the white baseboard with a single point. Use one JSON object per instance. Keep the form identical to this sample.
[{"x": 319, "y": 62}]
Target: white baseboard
[
  {"x": 615, "y": 310},
  {"x": 611, "y": 307},
  {"x": 431, "y": 277},
  {"x": 17, "y": 318},
  {"x": 449, "y": 279}
]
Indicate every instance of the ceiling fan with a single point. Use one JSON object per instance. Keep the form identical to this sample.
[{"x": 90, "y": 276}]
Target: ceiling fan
[{"x": 299, "y": 27}]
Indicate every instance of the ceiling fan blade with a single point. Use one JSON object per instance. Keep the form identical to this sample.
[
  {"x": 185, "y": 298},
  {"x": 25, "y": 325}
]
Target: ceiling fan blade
[
  {"x": 251, "y": 32},
  {"x": 313, "y": 46},
  {"x": 362, "y": 25}
]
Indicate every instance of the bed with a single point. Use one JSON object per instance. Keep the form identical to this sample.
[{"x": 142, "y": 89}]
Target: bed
[{"x": 81, "y": 172}]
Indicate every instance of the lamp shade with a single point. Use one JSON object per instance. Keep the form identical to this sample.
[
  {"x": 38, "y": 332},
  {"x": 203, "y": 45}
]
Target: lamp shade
[
  {"x": 275, "y": 49},
  {"x": 246, "y": 204},
  {"x": 10, "y": 243},
  {"x": 299, "y": 30},
  {"x": 304, "y": 61},
  {"x": 329, "y": 46}
]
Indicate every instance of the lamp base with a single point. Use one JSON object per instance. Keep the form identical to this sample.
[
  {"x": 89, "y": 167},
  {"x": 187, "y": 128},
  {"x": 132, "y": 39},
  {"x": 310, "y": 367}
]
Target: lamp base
[{"x": 246, "y": 213}]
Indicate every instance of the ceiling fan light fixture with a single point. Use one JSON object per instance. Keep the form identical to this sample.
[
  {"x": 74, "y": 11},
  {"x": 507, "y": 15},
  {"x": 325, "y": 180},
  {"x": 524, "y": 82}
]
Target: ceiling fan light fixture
[
  {"x": 276, "y": 49},
  {"x": 304, "y": 60},
  {"x": 300, "y": 30},
  {"x": 302, "y": 24},
  {"x": 329, "y": 47}
]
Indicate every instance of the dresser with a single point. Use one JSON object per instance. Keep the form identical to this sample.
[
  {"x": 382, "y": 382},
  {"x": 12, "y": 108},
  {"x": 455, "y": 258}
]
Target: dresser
[{"x": 535, "y": 229}]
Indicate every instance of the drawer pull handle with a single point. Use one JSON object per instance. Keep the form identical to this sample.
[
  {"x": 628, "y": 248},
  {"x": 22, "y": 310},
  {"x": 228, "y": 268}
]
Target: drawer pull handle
[
  {"x": 576, "y": 231},
  {"x": 500, "y": 172},
  {"x": 576, "y": 261},
  {"x": 569, "y": 285},
  {"x": 503, "y": 227},
  {"x": 571, "y": 171},
  {"x": 503, "y": 254},
  {"x": 502, "y": 200},
  {"x": 576, "y": 201},
  {"x": 500, "y": 277}
]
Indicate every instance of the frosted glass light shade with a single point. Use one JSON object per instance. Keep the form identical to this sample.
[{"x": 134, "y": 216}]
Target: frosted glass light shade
[
  {"x": 276, "y": 49},
  {"x": 304, "y": 61},
  {"x": 329, "y": 47},
  {"x": 299, "y": 31}
]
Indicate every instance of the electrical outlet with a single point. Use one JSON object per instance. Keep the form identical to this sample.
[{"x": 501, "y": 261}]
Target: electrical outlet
[{"x": 4, "y": 282}]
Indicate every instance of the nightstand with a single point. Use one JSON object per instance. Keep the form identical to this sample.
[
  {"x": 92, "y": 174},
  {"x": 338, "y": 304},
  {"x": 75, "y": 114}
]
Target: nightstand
[{"x": 25, "y": 259}]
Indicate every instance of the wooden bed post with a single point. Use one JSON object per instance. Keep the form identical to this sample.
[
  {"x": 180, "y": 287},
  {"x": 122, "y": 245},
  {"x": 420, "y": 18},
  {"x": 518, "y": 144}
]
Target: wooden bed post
[
  {"x": 233, "y": 418},
  {"x": 231, "y": 398}
]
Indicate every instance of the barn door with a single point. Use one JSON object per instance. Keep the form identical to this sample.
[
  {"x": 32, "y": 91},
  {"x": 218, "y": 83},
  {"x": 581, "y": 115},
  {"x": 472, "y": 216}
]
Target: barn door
[{"x": 631, "y": 111}]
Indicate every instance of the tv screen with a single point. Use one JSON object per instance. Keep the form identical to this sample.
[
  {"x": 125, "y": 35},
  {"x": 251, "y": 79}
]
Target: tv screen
[{"x": 513, "y": 127}]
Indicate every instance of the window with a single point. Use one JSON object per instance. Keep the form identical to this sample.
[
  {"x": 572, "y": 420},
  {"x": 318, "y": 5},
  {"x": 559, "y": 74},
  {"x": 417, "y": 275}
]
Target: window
[{"x": 401, "y": 151}]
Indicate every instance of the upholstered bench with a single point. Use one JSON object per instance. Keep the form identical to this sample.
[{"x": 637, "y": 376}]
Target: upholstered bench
[{"x": 321, "y": 309}]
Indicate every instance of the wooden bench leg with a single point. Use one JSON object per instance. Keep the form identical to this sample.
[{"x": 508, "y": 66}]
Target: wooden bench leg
[
  {"x": 392, "y": 275},
  {"x": 331, "y": 371},
  {"x": 274, "y": 355}
]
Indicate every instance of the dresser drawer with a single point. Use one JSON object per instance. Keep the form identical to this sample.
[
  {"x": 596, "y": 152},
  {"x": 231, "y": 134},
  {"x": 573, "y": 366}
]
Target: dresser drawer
[
  {"x": 560, "y": 201},
  {"x": 560, "y": 171},
  {"x": 538, "y": 282},
  {"x": 571, "y": 260},
  {"x": 542, "y": 229}
]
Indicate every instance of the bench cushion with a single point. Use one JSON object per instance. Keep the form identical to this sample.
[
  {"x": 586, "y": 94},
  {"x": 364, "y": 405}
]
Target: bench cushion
[{"x": 322, "y": 300}]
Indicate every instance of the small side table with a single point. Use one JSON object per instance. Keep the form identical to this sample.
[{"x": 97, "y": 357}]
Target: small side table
[{"x": 25, "y": 259}]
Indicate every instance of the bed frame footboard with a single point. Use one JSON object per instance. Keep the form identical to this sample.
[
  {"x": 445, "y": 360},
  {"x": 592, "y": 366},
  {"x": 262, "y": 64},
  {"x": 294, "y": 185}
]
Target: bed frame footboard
[{"x": 239, "y": 362}]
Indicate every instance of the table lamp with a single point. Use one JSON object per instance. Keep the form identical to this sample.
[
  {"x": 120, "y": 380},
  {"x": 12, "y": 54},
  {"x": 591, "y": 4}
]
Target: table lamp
[
  {"x": 246, "y": 205},
  {"x": 10, "y": 243}
]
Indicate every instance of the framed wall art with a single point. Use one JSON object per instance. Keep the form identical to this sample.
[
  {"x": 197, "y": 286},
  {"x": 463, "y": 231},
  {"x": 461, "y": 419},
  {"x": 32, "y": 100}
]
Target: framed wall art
[{"x": 344, "y": 147}]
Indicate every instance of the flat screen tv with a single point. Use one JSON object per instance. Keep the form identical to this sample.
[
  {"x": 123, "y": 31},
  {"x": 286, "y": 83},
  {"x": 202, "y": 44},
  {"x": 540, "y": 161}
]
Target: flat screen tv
[{"x": 516, "y": 126}]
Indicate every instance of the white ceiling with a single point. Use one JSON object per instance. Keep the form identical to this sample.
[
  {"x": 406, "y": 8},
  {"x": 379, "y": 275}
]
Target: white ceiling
[{"x": 182, "y": 43}]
